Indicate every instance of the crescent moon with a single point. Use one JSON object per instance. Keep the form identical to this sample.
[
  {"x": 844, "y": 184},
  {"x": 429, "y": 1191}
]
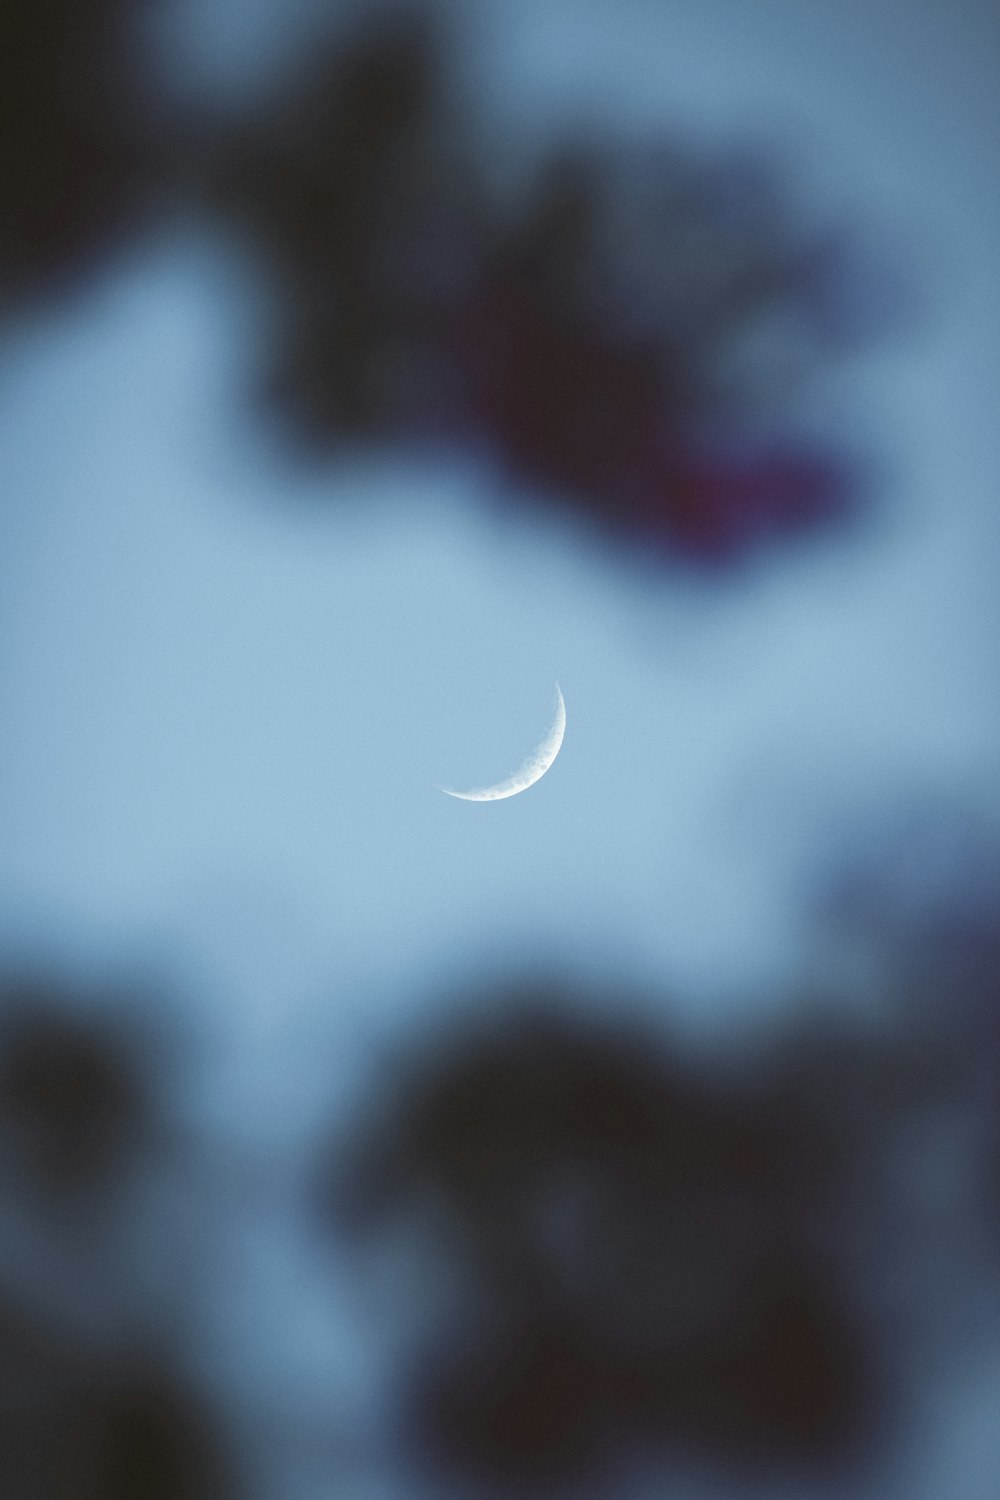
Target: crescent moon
[{"x": 532, "y": 770}]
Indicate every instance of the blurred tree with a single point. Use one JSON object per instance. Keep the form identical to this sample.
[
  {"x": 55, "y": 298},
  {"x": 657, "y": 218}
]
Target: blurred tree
[
  {"x": 359, "y": 198},
  {"x": 75, "y": 1427},
  {"x": 76, "y": 149},
  {"x": 146, "y": 1437},
  {"x": 624, "y": 338},
  {"x": 74, "y": 1093},
  {"x": 644, "y": 1252}
]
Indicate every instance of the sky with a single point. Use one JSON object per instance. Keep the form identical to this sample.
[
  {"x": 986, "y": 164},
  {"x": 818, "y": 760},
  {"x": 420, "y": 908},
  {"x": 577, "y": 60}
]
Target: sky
[
  {"x": 222, "y": 676},
  {"x": 230, "y": 688}
]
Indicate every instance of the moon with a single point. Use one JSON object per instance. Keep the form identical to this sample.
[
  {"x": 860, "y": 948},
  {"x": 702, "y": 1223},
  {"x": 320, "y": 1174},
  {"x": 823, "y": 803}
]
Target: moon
[{"x": 532, "y": 769}]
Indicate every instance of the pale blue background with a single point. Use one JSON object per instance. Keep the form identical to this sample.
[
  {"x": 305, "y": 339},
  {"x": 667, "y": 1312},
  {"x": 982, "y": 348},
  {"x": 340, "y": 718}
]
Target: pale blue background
[{"x": 227, "y": 691}]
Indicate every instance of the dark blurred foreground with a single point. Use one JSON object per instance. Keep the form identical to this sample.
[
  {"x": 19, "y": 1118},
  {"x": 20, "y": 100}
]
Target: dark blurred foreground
[
  {"x": 94, "y": 1399},
  {"x": 609, "y": 1257},
  {"x": 627, "y": 336},
  {"x": 644, "y": 1256}
]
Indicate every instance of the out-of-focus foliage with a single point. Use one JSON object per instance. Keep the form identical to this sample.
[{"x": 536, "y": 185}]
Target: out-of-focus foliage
[
  {"x": 72, "y": 1098},
  {"x": 95, "y": 1404},
  {"x": 639, "y": 1254},
  {"x": 77, "y": 157},
  {"x": 621, "y": 336},
  {"x": 75, "y": 1426}
]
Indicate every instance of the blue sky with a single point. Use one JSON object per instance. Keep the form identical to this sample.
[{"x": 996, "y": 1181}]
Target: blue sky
[
  {"x": 228, "y": 689},
  {"x": 225, "y": 682}
]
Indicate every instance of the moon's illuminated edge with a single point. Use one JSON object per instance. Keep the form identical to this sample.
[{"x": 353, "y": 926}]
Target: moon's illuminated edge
[{"x": 532, "y": 770}]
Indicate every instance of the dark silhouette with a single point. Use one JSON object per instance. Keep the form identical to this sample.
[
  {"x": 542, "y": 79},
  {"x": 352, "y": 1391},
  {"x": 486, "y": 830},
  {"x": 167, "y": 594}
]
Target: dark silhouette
[
  {"x": 75, "y": 1093},
  {"x": 598, "y": 345},
  {"x": 588, "y": 335},
  {"x": 357, "y": 197},
  {"x": 146, "y": 1438},
  {"x": 74, "y": 1426},
  {"x": 595, "y": 335},
  {"x": 647, "y": 1247},
  {"x": 77, "y": 155}
]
